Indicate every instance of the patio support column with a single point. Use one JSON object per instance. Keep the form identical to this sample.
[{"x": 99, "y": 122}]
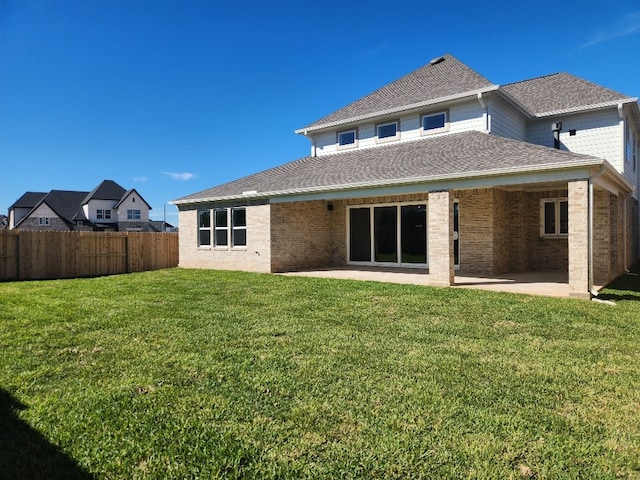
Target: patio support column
[
  {"x": 440, "y": 238},
  {"x": 579, "y": 237}
]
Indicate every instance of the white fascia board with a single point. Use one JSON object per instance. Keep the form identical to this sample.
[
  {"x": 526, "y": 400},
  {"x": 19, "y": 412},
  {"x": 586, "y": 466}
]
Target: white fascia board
[
  {"x": 613, "y": 181},
  {"x": 586, "y": 108},
  {"x": 391, "y": 111}
]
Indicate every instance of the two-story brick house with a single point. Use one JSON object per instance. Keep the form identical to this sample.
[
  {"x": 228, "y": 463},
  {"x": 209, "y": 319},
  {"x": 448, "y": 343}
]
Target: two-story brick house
[
  {"x": 107, "y": 207},
  {"x": 444, "y": 170}
]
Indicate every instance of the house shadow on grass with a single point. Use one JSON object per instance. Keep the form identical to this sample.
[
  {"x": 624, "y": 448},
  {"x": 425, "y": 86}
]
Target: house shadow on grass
[
  {"x": 626, "y": 287},
  {"x": 25, "y": 453}
]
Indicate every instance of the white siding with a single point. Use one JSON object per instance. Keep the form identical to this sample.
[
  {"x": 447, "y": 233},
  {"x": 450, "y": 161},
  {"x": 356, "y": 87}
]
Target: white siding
[
  {"x": 505, "y": 121},
  {"x": 462, "y": 117},
  {"x": 597, "y": 134}
]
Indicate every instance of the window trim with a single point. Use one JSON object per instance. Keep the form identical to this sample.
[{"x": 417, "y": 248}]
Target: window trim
[
  {"x": 233, "y": 228},
  {"x": 200, "y": 229},
  {"x": 134, "y": 214},
  {"x": 390, "y": 138},
  {"x": 107, "y": 214},
  {"x": 216, "y": 228},
  {"x": 43, "y": 221},
  {"x": 100, "y": 214},
  {"x": 433, "y": 131},
  {"x": 557, "y": 217},
  {"x": 347, "y": 145}
]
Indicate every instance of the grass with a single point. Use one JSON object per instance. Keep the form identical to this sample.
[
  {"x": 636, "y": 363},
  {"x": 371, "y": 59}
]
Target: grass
[{"x": 204, "y": 374}]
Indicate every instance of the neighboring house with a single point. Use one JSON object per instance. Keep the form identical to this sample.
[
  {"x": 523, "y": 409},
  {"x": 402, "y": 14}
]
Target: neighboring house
[
  {"x": 444, "y": 170},
  {"x": 107, "y": 207},
  {"x": 4, "y": 222}
]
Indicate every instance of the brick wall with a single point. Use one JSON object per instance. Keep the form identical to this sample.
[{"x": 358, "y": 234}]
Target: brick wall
[
  {"x": 440, "y": 238},
  {"x": 476, "y": 231},
  {"x": 578, "y": 239},
  {"x": 256, "y": 257},
  {"x": 55, "y": 224},
  {"x": 302, "y": 236}
]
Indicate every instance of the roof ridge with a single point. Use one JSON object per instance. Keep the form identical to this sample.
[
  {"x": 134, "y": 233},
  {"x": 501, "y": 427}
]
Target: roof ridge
[{"x": 536, "y": 78}]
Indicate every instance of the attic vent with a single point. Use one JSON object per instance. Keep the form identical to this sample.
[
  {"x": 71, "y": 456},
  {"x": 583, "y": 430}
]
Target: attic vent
[{"x": 437, "y": 60}]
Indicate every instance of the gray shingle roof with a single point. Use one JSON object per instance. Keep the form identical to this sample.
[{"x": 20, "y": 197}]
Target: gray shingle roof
[
  {"x": 66, "y": 204},
  {"x": 460, "y": 154},
  {"x": 447, "y": 78},
  {"x": 28, "y": 200},
  {"x": 560, "y": 92},
  {"x": 107, "y": 190}
]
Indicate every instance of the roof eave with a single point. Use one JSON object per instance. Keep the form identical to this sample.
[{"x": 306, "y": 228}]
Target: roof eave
[
  {"x": 586, "y": 108},
  {"x": 391, "y": 111},
  {"x": 590, "y": 162}
]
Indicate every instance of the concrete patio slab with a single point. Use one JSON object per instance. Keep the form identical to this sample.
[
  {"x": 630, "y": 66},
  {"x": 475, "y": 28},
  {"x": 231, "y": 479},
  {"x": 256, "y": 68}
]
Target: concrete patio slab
[{"x": 550, "y": 284}]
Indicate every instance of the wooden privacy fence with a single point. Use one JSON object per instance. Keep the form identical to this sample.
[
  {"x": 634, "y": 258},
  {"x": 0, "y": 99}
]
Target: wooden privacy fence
[{"x": 31, "y": 255}]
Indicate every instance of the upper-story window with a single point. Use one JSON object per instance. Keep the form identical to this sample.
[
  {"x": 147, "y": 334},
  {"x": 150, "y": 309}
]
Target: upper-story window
[
  {"x": 387, "y": 131},
  {"x": 348, "y": 139},
  {"x": 133, "y": 214},
  {"x": 435, "y": 122},
  {"x": 103, "y": 214},
  {"x": 43, "y": 220}
]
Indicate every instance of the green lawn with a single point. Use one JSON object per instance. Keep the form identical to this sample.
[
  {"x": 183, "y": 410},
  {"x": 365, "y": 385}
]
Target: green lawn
[{"x": 204, "y": 374}]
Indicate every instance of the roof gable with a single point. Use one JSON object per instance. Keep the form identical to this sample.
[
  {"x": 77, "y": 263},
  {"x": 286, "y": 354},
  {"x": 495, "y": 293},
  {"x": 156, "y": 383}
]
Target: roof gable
[
  {"x": 107, "y": 190},
  {"x": 570, "y": 93},
  {"x": 127, "y": 194},
  {"x": 443, "y": 78},
  {"x": 66, "y": 204}
]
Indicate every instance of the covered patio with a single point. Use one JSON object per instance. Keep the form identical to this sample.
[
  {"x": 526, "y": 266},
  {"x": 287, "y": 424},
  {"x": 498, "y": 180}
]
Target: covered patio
[{"x": 552, "y": 284}]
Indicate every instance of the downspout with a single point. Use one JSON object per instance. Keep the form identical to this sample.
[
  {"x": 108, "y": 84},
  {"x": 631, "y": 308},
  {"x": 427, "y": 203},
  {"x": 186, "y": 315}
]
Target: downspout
[
  {"x": 485, "y": 112},
  {"x": 590, "y": 230}
]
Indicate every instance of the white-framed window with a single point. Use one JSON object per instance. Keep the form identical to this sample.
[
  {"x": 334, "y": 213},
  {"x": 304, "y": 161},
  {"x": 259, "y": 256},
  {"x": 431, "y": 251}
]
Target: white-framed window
[
  {"x": 107, "y": 214},
  {"x": 100, "y": 214},
  {"x": 389, "y": 131},
  {"x": 435, "y": 122},
  {"x": 204, "y": 228},
  {"x": 221, "y": 221},
  {"x": 348, "y": 138},
  {"x": 133, "y": 214},
  {"x": 43, "y": 220},
  {"x": 227, "y": 228},
  {"x": 239, "y": 227},
  {"x": 554, "y": 217}
]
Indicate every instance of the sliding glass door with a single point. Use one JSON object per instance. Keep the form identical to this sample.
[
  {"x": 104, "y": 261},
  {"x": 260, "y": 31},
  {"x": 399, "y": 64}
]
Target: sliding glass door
[{"x": 388, "y": 234}]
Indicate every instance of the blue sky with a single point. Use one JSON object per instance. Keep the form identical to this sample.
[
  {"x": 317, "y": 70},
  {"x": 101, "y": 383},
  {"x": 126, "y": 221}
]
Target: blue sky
[{"x": 172, "y": 97}]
